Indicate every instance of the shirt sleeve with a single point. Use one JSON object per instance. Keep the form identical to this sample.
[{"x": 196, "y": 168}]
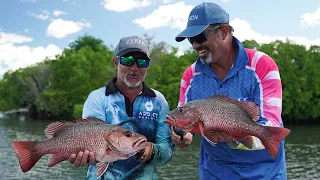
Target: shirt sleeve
[
  {"x": 268, "y": 92},
  {"x": 267, "y": 95},
  {"x": 185, "y": 84},
  {"x": 93, "y": 106},
  {"x": 163, "y": 146}
]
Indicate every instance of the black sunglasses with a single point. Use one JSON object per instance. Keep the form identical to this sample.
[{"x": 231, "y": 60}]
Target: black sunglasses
[
  {"x": 129, "y": 61},
  {"x": 203, "y": 36}
]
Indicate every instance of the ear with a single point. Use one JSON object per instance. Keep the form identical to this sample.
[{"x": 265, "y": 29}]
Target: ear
[
  {"x": 225, "y": 31},
  {"x": 115, "y": 62}
]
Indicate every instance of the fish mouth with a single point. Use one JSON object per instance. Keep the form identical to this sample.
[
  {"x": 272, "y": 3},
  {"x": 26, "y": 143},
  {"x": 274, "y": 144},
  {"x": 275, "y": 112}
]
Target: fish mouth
[
  {"x": 183, "y": 125},
  {"x": 173, "y": 122},
  {"x": 140, "y": 143},
  {"x": 170, "y": 120}
]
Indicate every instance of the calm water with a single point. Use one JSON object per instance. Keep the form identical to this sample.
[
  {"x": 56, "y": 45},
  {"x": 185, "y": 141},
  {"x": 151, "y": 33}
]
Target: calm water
[{"x": 302, "y": 150}]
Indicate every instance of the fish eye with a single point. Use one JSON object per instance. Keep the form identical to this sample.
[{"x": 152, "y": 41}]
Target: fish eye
[
  {"x": 128, "y": 133},
  {"x": 180, "y": 109}
]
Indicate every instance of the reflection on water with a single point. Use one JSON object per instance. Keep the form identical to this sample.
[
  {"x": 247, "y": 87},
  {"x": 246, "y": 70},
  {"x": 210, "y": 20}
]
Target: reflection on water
[{"x": 302, "y": 152}]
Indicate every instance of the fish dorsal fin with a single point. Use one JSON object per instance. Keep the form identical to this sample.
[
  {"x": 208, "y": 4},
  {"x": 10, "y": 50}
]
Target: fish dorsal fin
[
  {"x": 250, "y": 107},
  {"x": 53, "y": 127},
  {"x": 101, "y": 168},
  {"x": 90, "y": 119}
]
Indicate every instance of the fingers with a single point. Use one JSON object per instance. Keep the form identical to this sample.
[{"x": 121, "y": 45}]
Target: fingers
[
  {"x": 145, "y": 154},
  {"x": 92, "y": 159},
  {"x": 78, "y": 159},
  {"x": 174, "y": 137},
  {"x": 187, "y": 139},
  {"x": 84, "y": 160},
  {"x": 72, "y": 158}
]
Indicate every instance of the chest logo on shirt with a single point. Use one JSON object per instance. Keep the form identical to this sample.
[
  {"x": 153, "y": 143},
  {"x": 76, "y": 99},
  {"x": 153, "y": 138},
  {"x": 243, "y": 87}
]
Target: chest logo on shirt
[
  {"x": 114, "y": 110},
  {"x": 149, "y": 106}
]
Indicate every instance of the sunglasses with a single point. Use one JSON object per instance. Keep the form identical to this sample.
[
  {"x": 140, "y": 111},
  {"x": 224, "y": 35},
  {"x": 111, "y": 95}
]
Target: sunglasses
[
  {"x": 129, "y": 61},
  {"x": 203, "y": 36}
]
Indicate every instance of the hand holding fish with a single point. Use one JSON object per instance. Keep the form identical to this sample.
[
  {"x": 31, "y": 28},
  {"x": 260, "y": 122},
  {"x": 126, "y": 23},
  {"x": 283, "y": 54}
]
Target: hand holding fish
[
  {"x": 145, "y": 154},
  {"x": 181, "y": 142},
  {"x": 82, "y": 159}
]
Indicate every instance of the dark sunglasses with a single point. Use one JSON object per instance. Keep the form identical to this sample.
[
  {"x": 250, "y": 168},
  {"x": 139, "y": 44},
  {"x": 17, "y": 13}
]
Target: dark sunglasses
[
  {"x": 203, "y": 36},
  {"x": 129, "y": 61}
]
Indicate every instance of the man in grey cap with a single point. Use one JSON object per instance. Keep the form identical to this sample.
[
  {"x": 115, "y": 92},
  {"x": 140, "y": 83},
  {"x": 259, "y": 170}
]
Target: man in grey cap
[
  {"x": 225, "y": 67},
  {"x": 127, "y": 101}
]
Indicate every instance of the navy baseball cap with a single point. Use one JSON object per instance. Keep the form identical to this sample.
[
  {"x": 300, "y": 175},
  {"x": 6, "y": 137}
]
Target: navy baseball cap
[
  {"x": 201, "y": 17},
  {"x": 132, "y": 44}
]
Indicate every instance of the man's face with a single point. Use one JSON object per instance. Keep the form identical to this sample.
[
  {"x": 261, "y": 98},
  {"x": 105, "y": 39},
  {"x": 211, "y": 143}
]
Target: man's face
[
  {"x": 132, "y": 76},
  {"x": 209, "y": 49}
]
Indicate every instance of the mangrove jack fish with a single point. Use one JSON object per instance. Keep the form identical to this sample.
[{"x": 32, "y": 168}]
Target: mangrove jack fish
[
  {"x": 221, "y": 119},
  {"x": 108, "y": 142}
]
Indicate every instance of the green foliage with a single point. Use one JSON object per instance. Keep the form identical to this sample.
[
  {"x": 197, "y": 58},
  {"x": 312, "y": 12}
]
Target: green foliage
[
  {"x": 58, "y": 88},
  {"x": 77, "y": 111}
]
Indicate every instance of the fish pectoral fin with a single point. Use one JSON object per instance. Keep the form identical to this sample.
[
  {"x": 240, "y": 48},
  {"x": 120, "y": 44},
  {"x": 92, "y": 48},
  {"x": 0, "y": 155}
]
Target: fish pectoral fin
[
  {"x": 55, "y": 159},
  {"x": 246, "y": 141},
  {"x": 209, "y": 141},
  {"x": 101, "y": 168}
]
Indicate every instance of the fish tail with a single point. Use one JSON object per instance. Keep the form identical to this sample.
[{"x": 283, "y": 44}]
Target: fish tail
[
  {"x": 273, "y": 138},
  {"x": 27, "y": 154}
]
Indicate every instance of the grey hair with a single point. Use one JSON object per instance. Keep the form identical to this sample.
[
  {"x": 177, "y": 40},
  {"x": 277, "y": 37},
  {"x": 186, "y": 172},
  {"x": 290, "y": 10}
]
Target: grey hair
[{"x": 231, "y": 29}]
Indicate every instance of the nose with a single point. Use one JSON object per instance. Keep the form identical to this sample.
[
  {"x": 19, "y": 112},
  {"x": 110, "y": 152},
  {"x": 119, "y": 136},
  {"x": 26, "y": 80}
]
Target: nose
[{"x": 134, "y": 66}]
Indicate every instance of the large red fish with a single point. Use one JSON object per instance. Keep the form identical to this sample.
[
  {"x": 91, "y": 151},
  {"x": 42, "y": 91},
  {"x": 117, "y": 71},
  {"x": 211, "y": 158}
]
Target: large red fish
[
  {"x": 108, "y": 142},
  {"x": 222, "y": 119}
]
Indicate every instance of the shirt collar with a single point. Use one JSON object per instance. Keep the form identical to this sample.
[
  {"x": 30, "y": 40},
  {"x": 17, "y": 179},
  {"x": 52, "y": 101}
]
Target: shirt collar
[{"x": 112, "y": 88}]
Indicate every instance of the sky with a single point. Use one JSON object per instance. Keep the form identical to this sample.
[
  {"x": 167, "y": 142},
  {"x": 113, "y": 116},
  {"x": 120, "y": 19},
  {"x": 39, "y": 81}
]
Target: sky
[{"x": 31, "y": 30}]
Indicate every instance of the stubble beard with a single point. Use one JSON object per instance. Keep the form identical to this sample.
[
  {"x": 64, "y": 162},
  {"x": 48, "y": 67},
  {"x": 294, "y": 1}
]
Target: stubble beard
[
  {"x": 130, "y": 84},
  {"x": 206, "y": 60}
]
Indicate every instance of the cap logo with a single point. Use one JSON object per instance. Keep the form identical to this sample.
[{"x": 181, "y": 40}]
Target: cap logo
[
  {"x": 193, "y": 17},
  {"x": 136, "y": 41}
]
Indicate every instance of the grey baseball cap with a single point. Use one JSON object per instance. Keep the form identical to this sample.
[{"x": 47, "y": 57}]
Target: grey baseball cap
[{"x": 132, "y": 44}]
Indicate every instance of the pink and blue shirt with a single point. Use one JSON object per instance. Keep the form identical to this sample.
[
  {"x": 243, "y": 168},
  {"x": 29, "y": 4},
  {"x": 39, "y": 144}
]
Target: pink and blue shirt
[{"x": 255, "y": 77}]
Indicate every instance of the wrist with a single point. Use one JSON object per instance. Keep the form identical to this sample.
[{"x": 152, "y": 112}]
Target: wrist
[{"x": 152, "y": 154}]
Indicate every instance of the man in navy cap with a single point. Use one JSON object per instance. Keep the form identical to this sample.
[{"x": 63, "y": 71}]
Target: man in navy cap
[
  {"x": 225, "y": 67},
  {"x": 126, "y": 100}
]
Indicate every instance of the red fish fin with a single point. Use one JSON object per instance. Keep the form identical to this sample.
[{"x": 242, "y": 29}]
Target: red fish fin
[
  {"x": 211, "y": 137},
  {"x": 27, "y": 154},
  {"x": 55, "y": 159},
  {"x": 101, "y": 168},
  {"x": 90, "y": 119},
  {"x": 273, "y": 138},
  {"x": 246, "y": 141},
  {"x": 204, "y": 136},
  {"x": 201, "y": 129},
  {"x": 53, "y": 127}
]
